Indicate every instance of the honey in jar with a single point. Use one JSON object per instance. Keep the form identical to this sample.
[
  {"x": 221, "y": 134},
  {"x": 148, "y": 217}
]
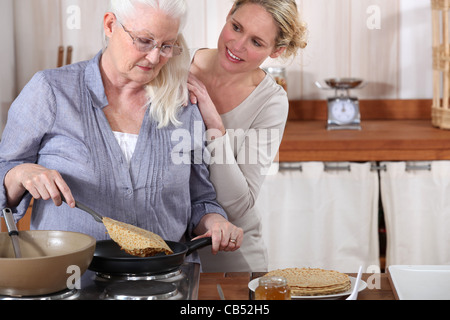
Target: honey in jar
[{"x": 273, "y": 288}]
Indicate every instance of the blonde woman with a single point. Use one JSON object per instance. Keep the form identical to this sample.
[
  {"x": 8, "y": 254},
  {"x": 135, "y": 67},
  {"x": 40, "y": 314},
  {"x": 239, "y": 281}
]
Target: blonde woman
[
  {"x": 245, "y": 113},
  {"x": 101, "y": 131}
]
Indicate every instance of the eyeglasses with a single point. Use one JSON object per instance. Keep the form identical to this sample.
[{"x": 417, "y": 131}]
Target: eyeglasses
[{"x": 146, "y": 45}]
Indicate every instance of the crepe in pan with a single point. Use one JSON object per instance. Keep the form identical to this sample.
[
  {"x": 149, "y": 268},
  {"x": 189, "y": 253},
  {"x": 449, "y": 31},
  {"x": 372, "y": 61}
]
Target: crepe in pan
[{"x": 136, "y": 241}]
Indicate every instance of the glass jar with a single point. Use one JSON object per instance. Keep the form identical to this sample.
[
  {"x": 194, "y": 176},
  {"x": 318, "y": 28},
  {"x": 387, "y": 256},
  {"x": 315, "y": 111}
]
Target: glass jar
[
  {"x": 279, "y": 74},
  {"x": 273, "y": 288}
]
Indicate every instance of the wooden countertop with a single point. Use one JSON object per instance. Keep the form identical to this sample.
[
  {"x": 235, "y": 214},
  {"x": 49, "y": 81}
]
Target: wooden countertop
[
  {"x": 235, "y": 286},
  {"x": 379, "y": 140},
  {"x": 399, "y": 130}
]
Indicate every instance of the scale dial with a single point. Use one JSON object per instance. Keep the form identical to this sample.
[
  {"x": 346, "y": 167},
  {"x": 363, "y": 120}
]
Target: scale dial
[
  {"x": 343, "y": 114},
  {"x": 343, "y": 111}
]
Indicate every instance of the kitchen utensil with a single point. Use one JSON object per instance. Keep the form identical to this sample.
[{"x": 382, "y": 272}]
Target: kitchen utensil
[
  {"x": 354, "y": 295},
  {"x": 59, "y": 62},
  {"x": 12, "y": 231},
  {"x": 45, "y": 262},
  {"x": 120, "y": 228},
  {"x": 220, "y": 291},
  {"x": 81, "y": 206},
  {"x": 110, "y": 259}
]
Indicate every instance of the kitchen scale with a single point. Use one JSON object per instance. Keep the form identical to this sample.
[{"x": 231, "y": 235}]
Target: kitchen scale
[{"x": 343, "y": 109}]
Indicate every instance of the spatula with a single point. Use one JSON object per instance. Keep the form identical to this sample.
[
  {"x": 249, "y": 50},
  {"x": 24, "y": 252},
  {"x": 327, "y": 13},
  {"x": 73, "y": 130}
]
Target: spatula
[
  {"x": 155, "y": 243},
  {"x": 81, "y": 206}
]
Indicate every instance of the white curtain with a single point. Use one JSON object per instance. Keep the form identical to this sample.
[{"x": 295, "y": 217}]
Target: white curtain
[
  {"x": 7, "y": 60},
  {"x": 323, "y": 219},
  {"x": 33, "y": 30},
  {"x": 44, "y": 25},
  {"x": 417, "y": 211}
]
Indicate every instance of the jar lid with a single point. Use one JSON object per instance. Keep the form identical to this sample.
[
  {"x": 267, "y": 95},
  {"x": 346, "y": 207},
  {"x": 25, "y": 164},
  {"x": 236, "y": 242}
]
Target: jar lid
[{"x": 272, "y": 281}]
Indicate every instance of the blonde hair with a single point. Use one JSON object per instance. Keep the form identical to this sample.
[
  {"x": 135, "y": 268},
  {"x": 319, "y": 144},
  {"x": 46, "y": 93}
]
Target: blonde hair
[
  {"x": 168, "y": 92},
  {"x": 292, "y": 30}
]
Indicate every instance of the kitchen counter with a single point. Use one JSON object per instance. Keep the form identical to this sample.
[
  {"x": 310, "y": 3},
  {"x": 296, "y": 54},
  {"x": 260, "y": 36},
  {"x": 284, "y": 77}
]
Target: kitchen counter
[
  {"x": 379, "y": 140},
  {"x": 235, "y": 286},
  {"x": 392, "y": 130}
]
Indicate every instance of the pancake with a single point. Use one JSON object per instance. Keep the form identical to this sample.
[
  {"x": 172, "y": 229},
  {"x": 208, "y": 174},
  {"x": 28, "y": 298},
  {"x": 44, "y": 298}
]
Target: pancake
[
  {"x": 136, "y": 241},
  {"x": 313, "y": 282}
]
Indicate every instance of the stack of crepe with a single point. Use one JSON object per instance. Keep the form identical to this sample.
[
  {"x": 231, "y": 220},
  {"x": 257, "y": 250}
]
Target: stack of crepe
[
  {"x": 313, "y": 282},
  {"x": 135, "y": 241}
]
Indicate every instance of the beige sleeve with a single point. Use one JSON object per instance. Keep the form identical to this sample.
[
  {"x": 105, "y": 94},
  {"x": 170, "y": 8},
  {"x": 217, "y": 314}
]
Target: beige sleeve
[{"x": 241, "y": 158}]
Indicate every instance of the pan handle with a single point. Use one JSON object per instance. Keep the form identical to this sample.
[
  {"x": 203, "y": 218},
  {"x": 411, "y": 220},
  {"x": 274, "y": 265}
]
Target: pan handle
[{"x": 198, "y": 244}]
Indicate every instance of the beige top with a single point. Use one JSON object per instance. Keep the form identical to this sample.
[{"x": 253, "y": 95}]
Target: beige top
[{"x": 240, "y": 161}]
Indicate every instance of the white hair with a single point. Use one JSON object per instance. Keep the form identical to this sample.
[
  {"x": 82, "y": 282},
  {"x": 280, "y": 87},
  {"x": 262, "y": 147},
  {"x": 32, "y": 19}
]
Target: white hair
[{"x": 168, "y": 92}]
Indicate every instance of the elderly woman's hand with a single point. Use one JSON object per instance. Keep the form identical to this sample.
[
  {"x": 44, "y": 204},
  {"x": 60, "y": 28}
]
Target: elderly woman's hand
[
  {"x": 225, "y": 236},
  {"x": 40, "y": 182}
]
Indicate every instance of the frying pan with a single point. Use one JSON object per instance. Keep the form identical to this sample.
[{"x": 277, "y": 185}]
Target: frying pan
[
  {"x": 46, "y": 256},
  {"x": 110, "y": 259}
]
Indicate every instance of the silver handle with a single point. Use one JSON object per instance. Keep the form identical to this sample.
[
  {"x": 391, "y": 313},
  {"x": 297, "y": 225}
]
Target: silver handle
[
  {"x": 10, "y": 223},
  {"x": 13, "y": 232}
]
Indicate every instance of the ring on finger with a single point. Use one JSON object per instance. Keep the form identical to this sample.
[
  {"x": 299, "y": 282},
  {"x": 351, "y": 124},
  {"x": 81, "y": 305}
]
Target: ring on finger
[{"x": 232, "y": 240}]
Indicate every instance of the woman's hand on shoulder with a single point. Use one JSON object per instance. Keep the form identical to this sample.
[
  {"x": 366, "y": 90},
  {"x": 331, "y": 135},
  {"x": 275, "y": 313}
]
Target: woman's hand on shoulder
[{"x": 198, "y": 94}]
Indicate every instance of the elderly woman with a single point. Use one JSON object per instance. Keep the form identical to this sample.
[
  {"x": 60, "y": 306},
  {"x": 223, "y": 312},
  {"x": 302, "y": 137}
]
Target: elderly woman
[{"x": 101, "y": 132}]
